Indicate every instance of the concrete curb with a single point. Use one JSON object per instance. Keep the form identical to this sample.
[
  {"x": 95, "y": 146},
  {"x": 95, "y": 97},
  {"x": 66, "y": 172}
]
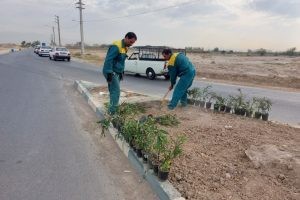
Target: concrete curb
[{"x": 164, "y": 190}]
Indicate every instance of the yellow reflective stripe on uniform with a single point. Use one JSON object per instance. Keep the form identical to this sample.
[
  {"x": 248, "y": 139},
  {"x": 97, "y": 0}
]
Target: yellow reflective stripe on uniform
[
  {"x": 119, "y": 45},
  {"x": 171, "y": 61}
]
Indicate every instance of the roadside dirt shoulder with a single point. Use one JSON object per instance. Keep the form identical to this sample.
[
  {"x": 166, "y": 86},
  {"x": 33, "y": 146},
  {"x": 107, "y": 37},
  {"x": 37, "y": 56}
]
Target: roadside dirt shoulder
[
  {"x": 263, "y": 71},
  {"x": 278, "y": 72}
]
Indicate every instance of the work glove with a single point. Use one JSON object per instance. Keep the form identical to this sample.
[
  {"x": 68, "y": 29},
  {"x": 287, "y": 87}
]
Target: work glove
[{"x": 109, "y": 77}]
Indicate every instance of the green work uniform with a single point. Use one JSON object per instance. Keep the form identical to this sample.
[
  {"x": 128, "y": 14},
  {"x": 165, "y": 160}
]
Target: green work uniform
[
  {"x": 180, "y": 66},
  {"x": 114, "y": 64}
]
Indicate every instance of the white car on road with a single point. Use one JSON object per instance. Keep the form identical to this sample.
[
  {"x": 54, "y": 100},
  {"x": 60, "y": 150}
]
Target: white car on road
[
  {"x": 60, "y": 53},
  {"x": 145, "y": 64},
  {"x": 44, "y": 51},
  {"x": 148, "y": 60}
]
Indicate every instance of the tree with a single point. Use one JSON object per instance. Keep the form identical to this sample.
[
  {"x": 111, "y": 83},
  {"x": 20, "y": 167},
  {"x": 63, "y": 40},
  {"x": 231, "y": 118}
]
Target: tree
[
  {"x": 23, "y": 43},
  {"x": 35, "y": 43},
  {"x": 249, "y": 52},
  {"x": 291, "y": 51},
  {"x": 28, "y": 44},
  {"x": 261, "y": 51}
]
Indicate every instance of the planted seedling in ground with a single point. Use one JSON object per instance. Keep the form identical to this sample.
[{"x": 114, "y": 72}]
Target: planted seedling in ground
[
  {"x": 167, "y": 120},
  {"x": 239, "y": 103},
  {"x": 173, "y": 150},
  {"x": 263, "y": 107}
]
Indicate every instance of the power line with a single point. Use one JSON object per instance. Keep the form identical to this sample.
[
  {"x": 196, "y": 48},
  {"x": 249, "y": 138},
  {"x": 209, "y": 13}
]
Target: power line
[{"x": 143, "y": 13}]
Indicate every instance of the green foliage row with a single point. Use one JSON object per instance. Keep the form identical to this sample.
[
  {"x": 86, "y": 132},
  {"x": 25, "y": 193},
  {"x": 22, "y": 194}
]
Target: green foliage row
[
  {"x": 239, "y": 101},
  {"x": 145, "y": 133}
]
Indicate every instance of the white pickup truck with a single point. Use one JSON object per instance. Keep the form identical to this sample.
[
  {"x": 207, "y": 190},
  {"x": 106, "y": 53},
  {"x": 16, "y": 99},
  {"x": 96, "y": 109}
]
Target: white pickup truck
[{"x": 146, "y": 63}]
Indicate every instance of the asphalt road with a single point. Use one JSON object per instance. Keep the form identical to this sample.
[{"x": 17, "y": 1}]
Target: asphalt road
[{"x": 50, "y": 146}]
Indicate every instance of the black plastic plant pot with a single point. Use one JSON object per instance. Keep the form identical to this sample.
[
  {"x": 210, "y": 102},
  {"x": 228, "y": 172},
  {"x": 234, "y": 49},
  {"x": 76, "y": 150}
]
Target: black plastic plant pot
[
  {"x": 139, "y": 153},
  {"x": 189, "y": 101},
  {"x": 131, "y": 144},
  {"x": 237, "y": 111},
  {"x": 208, "y": 105},
  {"x": 145, "y": 157},
  {"x": 242, "y": 111},
  {"x": 202, "y": 104},
  {"x": 227, "y": 109},
  {"x": 257, "y": 115},
  {"x": 155, "y": 169},
  {"x": 134, "y": 148},
  {"x": 197, "y": 102},
  {"x": 222, "y": 108},
  {"x": 163, "y": 176},
  {"x": 216, "y": 107},
  {"x": 114, "y": 123},
  {"x": 192, "y": 102},
  {"x": 265, "y": 116},
  {"x": 249, "y": 113}
]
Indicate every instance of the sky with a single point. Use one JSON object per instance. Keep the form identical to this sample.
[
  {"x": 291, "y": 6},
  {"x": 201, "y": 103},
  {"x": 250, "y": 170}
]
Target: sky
[{"x": 226, "y": 24}]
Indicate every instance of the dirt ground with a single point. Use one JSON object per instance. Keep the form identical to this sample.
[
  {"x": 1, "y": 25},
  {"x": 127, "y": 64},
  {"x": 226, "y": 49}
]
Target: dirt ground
[
  {"x": 263, "y": 71},
  {"x": 228, "y": 156},
  {"x": 274, "y": 71},
  {"x": 214, "y": 164},
  {"x": 5, "y": 48}
]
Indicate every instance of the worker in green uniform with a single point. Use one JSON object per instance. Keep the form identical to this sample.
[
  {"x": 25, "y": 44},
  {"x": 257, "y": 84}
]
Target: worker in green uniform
[
  {"x": 179, "y": 66},
  {"x": 113, "y": 68}
]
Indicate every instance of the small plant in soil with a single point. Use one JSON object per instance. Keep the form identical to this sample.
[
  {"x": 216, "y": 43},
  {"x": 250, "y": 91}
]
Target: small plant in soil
[
  {"x": 173, "y": 150},
  {"x": 104, "y": 123},
  {"x": 210, "y": 96},
  {"x": 167, "y": 120},
  {"x": 125, "y": 111},
  {"x": 263, "y": 107},
  {"x": 239, "y": 103},
  {"x": 220, "y": 102},
  {"x": 160, "y": 143},
  {"x": 130, "y": 130},
  {"x": 193, "y": 94},
  {"x": 249, "y": 105}
]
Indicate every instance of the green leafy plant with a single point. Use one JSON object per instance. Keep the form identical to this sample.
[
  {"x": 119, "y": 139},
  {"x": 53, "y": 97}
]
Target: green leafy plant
[
  {"x": 193, "y": 93},
  {"x": 125, "y": 111},
  {"x": 167, "y": 120},
  {"x": 239, "y": 101},
  {"x": 263, "y": 104},
  {"x": 160, "y": 143},
  {"x": 171, "y": 152},
  {"x": 105, "y": 123},
  {"x": 221, "y": 101},
  {"x": 205, "y": 93},
  {"x": 130, "y": 130}
]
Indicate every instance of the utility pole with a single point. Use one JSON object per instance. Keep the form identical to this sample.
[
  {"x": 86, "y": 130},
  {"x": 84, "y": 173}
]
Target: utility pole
[
  {"x": 58, "y": 28},
  {"x": 80, "y": 4},
  {"x": 53, "y": 36}
]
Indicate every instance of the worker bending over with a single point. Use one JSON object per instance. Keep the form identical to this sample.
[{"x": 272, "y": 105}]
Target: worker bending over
[{"x": 179, "y": 66}]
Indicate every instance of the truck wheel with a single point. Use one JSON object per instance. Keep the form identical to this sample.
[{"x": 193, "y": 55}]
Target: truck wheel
[
  {"x": 69, "y": 59},
  {"x": 150, "y": 74}
]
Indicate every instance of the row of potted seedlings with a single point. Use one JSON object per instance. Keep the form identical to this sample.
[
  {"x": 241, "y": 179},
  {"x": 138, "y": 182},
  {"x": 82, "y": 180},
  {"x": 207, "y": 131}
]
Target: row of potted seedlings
[
  {"x": 257, "y": 107},
  {"x": 147, "y": 137}
]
